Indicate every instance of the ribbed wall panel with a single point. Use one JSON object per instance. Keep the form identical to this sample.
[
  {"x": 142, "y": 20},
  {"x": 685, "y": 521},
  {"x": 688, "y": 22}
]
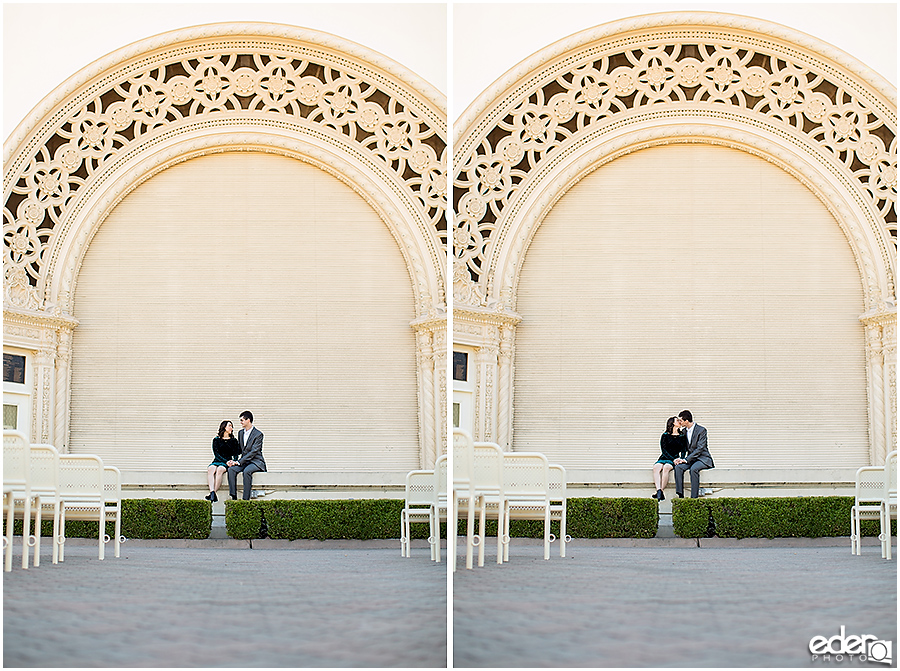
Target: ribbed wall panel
[
  {"x": 699, "y": 277},
  {"x": 245, "y": 281}
]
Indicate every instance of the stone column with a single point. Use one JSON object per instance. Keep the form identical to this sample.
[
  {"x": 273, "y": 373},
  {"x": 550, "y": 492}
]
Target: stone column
[
  {"x": 881, "y": 350},
  {"x": 505, "y": 388},
  {"x": 486, "y": 391},
  {"x": 431, "y": 360},
  {"x": 44, "y": 410},
  {"x": 63, "y": 389}
]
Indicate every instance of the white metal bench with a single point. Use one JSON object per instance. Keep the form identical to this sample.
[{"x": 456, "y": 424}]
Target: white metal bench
[
  {"x": 16, "y": 487},
  {"x": 875, "y": 494},
  {"x": 418, "y": 507},
  {"x": 82, "y": 495}
]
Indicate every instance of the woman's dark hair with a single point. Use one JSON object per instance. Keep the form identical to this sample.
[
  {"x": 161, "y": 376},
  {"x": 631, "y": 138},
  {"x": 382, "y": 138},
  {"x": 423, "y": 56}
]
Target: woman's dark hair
[
  {"x": 669, "y": 424},
  {"x": 222, "y": 427}
]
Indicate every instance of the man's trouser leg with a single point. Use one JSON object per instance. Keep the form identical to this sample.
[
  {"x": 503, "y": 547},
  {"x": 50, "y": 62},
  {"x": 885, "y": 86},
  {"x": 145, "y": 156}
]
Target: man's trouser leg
[
  {"x": 232, "y": 480},
  {"x": 248, "y": 472},
  {"x": 695, "y": 479},
  {"x": 679, "y": 478}
]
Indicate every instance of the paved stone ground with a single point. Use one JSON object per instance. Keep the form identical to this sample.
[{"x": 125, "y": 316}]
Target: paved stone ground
[
  {"x": 670, "y": 607},
  {"x": 188, "y": 607}
]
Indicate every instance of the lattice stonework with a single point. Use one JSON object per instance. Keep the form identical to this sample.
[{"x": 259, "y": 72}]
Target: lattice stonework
[
  {"x": 351, "y": 112},
  {"x": 279, "y": 81},
  {"x": 600, "y": 84}
]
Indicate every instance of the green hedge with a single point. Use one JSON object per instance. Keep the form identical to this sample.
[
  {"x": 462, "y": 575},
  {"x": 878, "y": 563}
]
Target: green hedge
[
  {"x": 612, "y": 518},
  {"x": 166, "y": 518},
  {"x": 690, "y": 517},
  {"x": 144, "y": 518},
  {"x": 762, "y": 517},
  {"x": 380, "y": 518},
  {"x": 361, "y": 519},
  {"x": 758, "y": 517}
]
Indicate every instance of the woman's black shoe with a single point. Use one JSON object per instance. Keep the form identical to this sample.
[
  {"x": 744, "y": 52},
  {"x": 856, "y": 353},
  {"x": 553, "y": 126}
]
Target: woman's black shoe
[
  {"x": 659, "y": 495},
  {"x": 213, "y": 497}
]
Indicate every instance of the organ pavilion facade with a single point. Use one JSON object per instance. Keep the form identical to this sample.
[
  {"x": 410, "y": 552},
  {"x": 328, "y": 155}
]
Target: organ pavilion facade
[
  {"x": 229, "y": 217},
  {"x": 681, "y": 210}
]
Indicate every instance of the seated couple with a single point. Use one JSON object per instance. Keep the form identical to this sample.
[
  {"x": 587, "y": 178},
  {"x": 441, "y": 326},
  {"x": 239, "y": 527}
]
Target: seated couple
[
  {"x": 683, "y": 448},
  {"x": 236, "y": 455}
]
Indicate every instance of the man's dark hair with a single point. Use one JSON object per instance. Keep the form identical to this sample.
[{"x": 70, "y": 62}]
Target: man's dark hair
[
  {"x": 249, "y": 415},
  {"x": 684, "y": 414}
]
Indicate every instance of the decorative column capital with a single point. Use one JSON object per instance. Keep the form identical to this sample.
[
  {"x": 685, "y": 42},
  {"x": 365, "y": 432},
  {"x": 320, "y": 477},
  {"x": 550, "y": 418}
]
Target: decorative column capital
[{"x": 885, "y": 314}]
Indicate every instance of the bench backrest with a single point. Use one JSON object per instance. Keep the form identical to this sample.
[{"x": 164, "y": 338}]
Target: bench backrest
[
  {"x": 112, "y": 485},
  {"x": 526, "y": 475},
  {"x": 463, "y": 458},
  {"x": 869, "y": 484},
  {"x": 488, "y": 468},
  {"x": 81, "y": 475},
  {"x": 420, "y": 488},
  {"x": 44, "y": 470},
  {"x": 15, "y": 461},
  {"x": 441, "y": 466},
  {"x": 557, "y": 482}
]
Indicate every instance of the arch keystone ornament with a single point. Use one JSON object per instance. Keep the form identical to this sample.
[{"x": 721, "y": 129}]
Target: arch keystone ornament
[
  {"x": 353, "y": 113},
  {"x": 678, "y": 78}
]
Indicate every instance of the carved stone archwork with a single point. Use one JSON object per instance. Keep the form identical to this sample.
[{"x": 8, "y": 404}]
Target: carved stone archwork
[
  {"x": 364, "y": 119},
  {"x": 691, "y": 77}
]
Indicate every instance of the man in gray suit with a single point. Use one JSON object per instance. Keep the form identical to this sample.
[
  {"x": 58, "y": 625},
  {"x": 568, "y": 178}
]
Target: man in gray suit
[
  {"x": 251, "y": 460},
  {"x": 698, "y": 456}
]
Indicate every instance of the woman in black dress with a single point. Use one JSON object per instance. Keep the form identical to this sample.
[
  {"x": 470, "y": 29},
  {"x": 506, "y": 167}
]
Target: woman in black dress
[
  {"x": 673, "y": 444},
  {"x": 225, "y": 447}
]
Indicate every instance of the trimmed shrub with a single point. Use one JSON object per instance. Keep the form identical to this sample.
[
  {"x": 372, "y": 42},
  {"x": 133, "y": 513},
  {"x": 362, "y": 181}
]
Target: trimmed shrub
[
  {"x": 166, "y": 518},
  {"x": 243, "y": 519},
  {"x": 612, "y": 518},
  {"x": 761, "y": 517},
  {"x": 690, "y": 518},
  {"x": 380, "y": 518},
  {"x": 361, "y": 519}
]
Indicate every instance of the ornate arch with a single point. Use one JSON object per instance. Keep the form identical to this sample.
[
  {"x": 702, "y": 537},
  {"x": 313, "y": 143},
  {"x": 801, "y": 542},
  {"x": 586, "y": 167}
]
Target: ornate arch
[
  {"x": 225, "y": 87},
  {"x": 676, "y": 78}
]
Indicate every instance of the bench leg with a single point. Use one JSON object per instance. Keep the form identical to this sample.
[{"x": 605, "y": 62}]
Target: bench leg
[{"x": 38, "y": 508}]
